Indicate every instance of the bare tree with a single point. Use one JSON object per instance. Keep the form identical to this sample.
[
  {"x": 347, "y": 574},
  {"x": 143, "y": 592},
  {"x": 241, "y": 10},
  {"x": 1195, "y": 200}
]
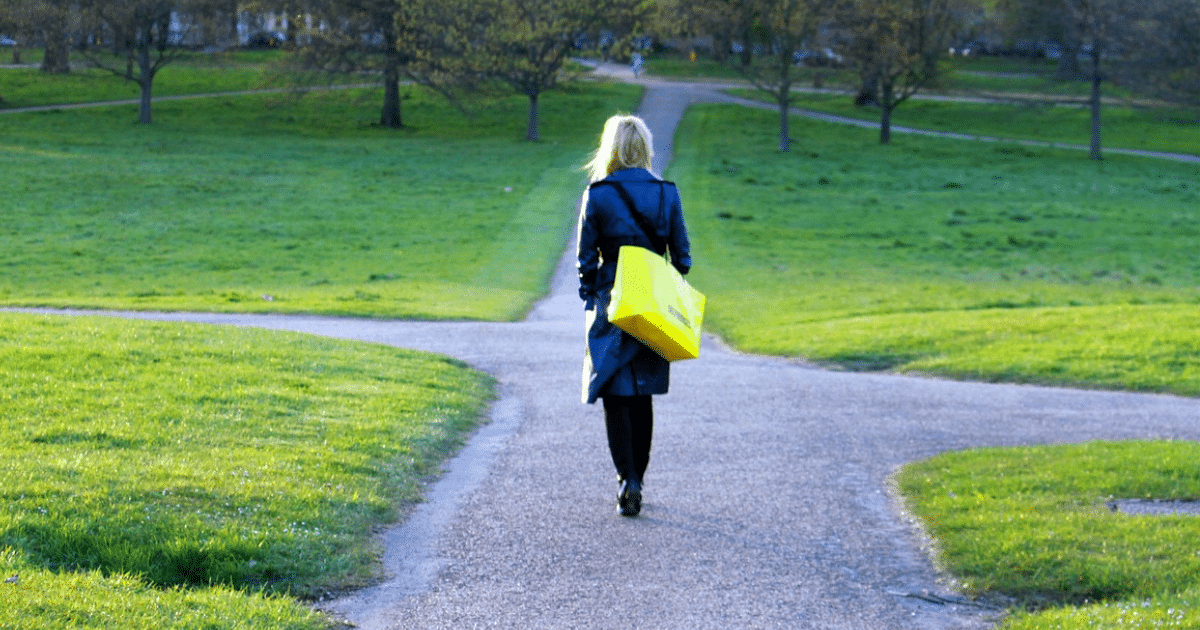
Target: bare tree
[{"x": 896, "y": 45}]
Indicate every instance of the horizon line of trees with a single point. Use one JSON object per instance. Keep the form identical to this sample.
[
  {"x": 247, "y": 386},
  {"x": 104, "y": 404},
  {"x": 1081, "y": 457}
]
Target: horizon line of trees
[
  {"x": 453, "y": 46},
  {"x": 897, "y": 47}
]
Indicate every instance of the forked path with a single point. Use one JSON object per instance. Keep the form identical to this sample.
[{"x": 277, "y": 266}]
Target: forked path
[{"x": 767, "y": 500}]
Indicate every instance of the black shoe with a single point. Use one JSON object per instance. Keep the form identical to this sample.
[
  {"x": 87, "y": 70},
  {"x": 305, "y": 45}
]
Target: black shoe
[{"x": 629, "y": 500}]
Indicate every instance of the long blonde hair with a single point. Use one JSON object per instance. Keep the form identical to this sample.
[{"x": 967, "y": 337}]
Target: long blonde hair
[{"x": 625, "y": 143}]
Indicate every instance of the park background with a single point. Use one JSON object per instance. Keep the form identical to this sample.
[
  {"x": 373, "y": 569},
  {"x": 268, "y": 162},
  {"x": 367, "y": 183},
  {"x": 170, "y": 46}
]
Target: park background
[{"x": 326, "y": 177}]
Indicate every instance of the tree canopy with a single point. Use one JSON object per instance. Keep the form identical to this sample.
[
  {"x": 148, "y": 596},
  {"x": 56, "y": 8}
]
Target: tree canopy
[
  {"x": 524, "y": 46},
  {"x": 525, "y": 43}
]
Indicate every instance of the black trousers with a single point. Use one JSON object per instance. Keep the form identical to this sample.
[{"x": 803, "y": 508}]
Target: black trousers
[{"x": 630, "y": 424}]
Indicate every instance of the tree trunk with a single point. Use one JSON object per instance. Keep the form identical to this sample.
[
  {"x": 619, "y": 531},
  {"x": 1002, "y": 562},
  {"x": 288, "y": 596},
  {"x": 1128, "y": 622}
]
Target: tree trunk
[
  {"x": 785, "y": 99},
  {"x": 390, "y": 117},
  {"x": 531, "y": 131},
  {"x": 1068, "y": 64},
  {"x": 164, "y": 31},
  {"x": 291, "y": 30},
  {"x": 1095, "y": 104},
  {"x": 785, "y": 115},
  {"x": 885, "y": 107},
  {"x": 146, "y": 80},
  {"x": 56, "y": 59},
  {"x": 233, "y": 23},
  {"x": 868, "y": 94},
  {"x": 721, "y": 46},
  {"x": 16, "y": 54},
  {"x": 747, "y": 50}
]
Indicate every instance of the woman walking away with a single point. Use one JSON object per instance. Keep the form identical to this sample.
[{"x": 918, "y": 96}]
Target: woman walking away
[{"x": 625, "y": 205}]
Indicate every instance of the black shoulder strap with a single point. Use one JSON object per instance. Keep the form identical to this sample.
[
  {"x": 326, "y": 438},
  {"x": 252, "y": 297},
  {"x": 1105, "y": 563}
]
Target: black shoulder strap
[{"x": 659, "y": 244}]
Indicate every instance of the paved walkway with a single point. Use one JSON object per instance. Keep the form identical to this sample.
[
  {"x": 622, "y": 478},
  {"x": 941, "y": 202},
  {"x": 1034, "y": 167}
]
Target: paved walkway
[{"x": 767, "y": 499}]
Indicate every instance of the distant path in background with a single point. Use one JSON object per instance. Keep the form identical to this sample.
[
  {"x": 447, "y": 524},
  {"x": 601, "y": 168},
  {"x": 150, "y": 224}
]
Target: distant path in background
[
  {"x": 768, "y": 501},
  {"x": 712, "y": 91},
  {"x": 183, "y": 97},
  {"x": 702, "y": 91}
]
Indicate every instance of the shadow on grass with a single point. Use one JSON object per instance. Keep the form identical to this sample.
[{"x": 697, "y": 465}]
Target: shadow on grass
[{"x": 868, "y": 362}]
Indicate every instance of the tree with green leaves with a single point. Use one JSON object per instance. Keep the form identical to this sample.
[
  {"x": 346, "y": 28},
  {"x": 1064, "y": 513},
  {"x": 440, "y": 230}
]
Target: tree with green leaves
[
  {"x": 786, "y": 27},
  {"x": 1096, "y": 24},
  {"x": 729, "y": 22},
  {"x": 141, "y": 31},
  {"x": 681, "y": 19},
  {"x": 1168, "y": 62},
  {"x": 896, "y": 46},
  {"x": 421, "y": 41},
  {"x": 1106, "y": 34},
  {"x": 50, "y": 21},
  {"x": 526, "y": 43},
  {"x": 14, "y": 22}
]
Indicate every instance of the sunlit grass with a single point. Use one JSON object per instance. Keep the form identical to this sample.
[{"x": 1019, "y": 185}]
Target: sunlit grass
[
  {"x": 1033, "y": 523},
  {"x": 42, "y": 599},
  {"x": 275, "y": 204},
  {"x": 1180, "y": 610},
  {"x": 194, "y": 456},
  {"x": 1144, "y": 128},
  {"x": 986, "y": 262},
  {"x": 1140, "y": 347}
]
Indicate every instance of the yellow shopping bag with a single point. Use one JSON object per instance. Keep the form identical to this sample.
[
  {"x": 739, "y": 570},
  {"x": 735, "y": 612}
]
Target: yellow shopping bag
[{"x": 651, "y": 301}]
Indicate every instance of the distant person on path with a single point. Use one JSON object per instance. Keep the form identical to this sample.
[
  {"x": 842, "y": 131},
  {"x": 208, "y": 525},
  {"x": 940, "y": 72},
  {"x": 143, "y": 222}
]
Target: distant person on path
[
  {"x": 617, "y": 367},
  {"x": 638, "y": 62}
]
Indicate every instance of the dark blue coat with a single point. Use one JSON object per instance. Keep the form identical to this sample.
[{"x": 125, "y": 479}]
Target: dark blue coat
[{"x": 617, "y": 364}]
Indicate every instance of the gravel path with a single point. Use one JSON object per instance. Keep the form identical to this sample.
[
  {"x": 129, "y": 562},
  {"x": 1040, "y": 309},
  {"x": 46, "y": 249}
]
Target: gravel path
[{"x": 767, "y": 499}]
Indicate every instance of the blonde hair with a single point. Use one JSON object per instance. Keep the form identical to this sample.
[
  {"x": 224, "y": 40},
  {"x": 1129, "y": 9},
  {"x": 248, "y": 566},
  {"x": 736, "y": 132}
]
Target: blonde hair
[{"x": 625, "y": 143}]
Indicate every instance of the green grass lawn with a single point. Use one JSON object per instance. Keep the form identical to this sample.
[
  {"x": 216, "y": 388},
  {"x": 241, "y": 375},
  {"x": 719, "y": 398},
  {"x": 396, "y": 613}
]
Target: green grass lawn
[
  {"x": 1033, "y": 523},
  {"x": 266, "y": 203},
  {"x": 258, "y": 473},
  {"x": 228, "y": 466},
  {"x": 1028, "y": 83},
  {"x": 192, "y": 73},
  {"x": 979, "y": 261},
  {"x": 1151, "y": 129},
  {"x": 1034, "y": 111},
  {"x": 975, "y": 75}
]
